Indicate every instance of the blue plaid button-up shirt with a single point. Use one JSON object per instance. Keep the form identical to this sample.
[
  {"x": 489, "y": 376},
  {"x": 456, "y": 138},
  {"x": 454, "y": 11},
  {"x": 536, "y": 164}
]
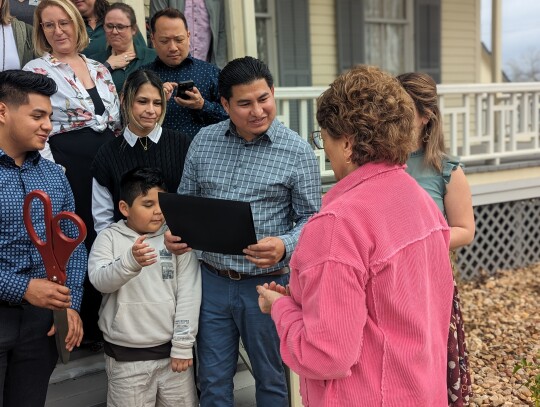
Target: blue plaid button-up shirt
[
  {"x": 19, "y": 259},
  {"x": 277, "y": 173}
]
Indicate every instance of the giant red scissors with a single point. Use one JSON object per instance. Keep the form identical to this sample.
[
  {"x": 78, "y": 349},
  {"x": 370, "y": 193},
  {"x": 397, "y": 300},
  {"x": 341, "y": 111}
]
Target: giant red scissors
[{"x": 55, "y": 252}]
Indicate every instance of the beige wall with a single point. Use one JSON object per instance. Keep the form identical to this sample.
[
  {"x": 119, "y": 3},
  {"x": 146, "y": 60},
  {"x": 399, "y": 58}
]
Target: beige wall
[
  {"x": 461, "y": 48},
  {"x": 485, "y": 67},
  {"x": 460, "y": 53},
  {"x": 322, "y": 20},
  {"x": 460, "y": 38}
]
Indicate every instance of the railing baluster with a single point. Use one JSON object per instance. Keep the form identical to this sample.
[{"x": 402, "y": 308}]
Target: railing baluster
[{"x": 500, "y": 121}]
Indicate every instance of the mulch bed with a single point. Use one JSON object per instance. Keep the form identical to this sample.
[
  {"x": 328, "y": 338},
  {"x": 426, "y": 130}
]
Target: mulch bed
[{"x": 502, "y": 323}]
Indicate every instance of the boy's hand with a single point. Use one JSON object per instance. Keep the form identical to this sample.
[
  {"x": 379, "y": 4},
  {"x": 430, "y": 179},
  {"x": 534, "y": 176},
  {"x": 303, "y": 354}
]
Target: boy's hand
[
  {"x": 75, "y": 330},
  {"x": 143, "y": 254},
  {"x": 180, "y": 365}
]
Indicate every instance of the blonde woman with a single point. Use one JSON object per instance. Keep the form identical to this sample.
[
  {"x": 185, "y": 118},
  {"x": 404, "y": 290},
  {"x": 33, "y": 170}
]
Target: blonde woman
[{"x": 144, "y": 143}]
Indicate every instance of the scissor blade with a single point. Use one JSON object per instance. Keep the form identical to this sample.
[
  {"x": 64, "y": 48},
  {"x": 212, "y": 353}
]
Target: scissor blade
[{"x": 61, "y": 325}]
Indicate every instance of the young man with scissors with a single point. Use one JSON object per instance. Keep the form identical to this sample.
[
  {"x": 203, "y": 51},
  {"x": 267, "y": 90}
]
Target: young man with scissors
[{"x": 28, "y": 353}]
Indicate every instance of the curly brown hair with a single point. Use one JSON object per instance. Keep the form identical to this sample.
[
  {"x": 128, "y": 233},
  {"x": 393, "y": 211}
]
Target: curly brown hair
[
  {"x": 372, "y": 108},
  {"x": 423, "y": 90}
]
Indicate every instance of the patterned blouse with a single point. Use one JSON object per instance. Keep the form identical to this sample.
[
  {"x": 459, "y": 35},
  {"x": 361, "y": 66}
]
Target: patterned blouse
[{"x": 72, "y": 105}]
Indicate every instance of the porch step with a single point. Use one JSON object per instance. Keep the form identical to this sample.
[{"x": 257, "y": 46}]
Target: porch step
[{"x": 83, "y": 383}]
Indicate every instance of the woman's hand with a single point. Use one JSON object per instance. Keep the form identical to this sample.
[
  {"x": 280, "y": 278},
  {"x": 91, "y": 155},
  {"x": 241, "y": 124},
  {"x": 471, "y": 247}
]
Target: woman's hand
[
  {"x": 121, "y": 60},
  {"x": 268, "y": 293}
]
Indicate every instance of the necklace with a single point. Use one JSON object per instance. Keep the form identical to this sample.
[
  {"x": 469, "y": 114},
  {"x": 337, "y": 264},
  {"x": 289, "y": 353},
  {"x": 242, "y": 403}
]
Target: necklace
[
  {"x": 144, "y": 145},
  {"x": 3, "y": 49}
]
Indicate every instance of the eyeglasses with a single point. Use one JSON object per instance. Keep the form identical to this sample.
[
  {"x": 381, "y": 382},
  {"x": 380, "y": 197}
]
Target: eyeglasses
[
  {"x": 50, "y": 26},
  {"x": 119, "y": 27},
  {"x": 317, "y": 139}
]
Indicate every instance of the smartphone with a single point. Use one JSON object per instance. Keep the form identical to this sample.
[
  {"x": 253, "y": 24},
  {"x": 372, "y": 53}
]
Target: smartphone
[{"x": 182, "y": 87}]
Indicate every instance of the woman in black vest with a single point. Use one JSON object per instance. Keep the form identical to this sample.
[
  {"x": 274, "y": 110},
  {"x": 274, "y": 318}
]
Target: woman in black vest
[{"x": 144, "y": 143}]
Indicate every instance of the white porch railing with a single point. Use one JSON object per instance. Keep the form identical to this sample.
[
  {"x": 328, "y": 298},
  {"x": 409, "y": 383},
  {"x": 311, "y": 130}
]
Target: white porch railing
[{"x": 484, "y": 123}]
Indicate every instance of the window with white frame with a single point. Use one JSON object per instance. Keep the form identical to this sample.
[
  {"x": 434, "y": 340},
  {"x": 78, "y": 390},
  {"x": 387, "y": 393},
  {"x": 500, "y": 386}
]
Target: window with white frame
[
  {"x": 265, "y": 26},
  {"x": 389, "y": 34}
]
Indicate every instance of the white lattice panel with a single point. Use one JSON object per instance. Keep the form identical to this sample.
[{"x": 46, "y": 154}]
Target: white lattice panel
[{"x": 507, "y": 236}]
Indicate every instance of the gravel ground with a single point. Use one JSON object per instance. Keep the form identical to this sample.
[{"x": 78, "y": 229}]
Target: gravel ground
[{"x": 502, "y": 323}]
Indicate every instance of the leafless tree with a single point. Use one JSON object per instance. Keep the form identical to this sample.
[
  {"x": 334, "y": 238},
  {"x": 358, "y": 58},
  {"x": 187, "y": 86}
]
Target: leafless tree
[{"x": 526, "y": 68}]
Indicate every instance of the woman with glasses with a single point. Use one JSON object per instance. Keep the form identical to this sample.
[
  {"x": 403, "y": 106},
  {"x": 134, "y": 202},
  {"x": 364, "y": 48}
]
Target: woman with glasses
[
  {"x": 144, "y": 143},
  {"x": 86, "y": 112},
  {"x": 444, "y": 180},
  {"x": 15, "y": 40},
  {"x": 364, "y": 321},
  {"x": 93, "y": 13},
  {"x": 123, "y": 56}
]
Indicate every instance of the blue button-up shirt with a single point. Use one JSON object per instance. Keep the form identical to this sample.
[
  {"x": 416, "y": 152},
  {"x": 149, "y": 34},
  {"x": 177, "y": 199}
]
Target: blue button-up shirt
[
  {"x": 205, "y": 77},
  {"x": 19, "y": 259},
  {"x": 277, "y": 173}
]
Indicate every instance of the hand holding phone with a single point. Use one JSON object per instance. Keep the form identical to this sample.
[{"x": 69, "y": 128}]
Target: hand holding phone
[{"x": 182, "y": 87}]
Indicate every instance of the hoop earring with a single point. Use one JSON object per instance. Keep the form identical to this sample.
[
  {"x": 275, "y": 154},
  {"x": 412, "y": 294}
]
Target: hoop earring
[{"x": 426, "y": 137}]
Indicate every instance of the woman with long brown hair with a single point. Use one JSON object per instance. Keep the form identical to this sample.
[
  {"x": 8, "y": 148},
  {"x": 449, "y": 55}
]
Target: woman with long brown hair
[
  {"x": 15, "y": 40},
  {"x": 444, "y": 180}
]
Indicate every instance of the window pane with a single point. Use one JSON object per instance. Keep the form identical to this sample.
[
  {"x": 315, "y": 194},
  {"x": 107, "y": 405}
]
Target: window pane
[
  {"x": 386, "y": 47},
  {"x": 373, "y": 44},
  {"x": 373, "y": 8},
  {"x": 394, "y": 57},
  {"x": 394, "y": 9},
  {"x": 261, "y": 6},
  {"x": 262, "y": 39}
]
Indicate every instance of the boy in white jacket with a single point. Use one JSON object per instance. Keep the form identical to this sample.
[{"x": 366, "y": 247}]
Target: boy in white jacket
[{"x": 151, "y": 299}]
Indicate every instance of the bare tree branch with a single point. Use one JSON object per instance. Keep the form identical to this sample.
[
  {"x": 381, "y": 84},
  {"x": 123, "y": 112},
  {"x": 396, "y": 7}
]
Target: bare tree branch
[{"x": 526, "y": 68}]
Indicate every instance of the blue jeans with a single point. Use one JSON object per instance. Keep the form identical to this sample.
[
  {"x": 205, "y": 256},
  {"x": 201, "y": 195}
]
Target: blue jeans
[{"x": 230, "y": 310}]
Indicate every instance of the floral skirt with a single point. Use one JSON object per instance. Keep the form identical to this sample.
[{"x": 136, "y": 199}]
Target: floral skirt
[{"x": 458, "y": 375}]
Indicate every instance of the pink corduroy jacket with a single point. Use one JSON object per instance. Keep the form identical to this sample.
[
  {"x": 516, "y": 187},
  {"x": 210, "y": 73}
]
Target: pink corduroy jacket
[{"x": 371, "y": 292}]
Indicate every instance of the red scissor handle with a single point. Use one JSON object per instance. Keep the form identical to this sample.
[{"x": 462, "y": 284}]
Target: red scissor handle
[
  {"x": 58, "y": 247},
  {"x": 63, "y": 245},
  {"x": 27, "y": 217}
]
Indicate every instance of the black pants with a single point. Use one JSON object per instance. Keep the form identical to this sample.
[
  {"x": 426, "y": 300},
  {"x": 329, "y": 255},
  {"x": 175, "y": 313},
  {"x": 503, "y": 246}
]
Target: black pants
[
  {"x": 75, "y": 150},
  {"x": 27, "y": 355}
]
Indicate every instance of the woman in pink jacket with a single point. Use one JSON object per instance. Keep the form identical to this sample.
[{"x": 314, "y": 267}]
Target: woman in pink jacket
[{"x": 365, "y": 319}]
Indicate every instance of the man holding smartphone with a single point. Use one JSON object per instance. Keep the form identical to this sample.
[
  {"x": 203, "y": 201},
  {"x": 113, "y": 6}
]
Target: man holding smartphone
[{"x": 196, "y": 102}]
